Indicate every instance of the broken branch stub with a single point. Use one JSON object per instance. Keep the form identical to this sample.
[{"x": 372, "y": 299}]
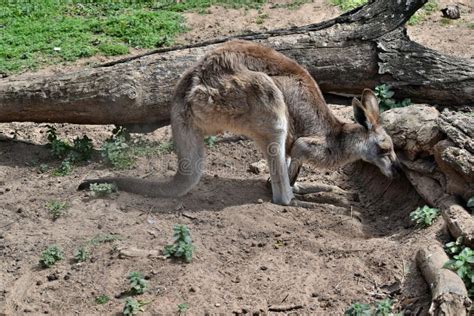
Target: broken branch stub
[{"x": 448, "y": 292}]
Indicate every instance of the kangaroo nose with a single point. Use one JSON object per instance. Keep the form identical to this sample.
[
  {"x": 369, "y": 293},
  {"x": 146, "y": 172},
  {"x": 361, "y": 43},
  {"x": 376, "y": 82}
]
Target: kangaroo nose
[{"x": 397, "y": 169}]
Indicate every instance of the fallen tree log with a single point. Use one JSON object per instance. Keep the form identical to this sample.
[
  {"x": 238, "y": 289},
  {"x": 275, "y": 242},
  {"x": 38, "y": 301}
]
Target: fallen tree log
[
  {"x": 436, "y": 149},
  {"x": 448, "y": 292},
  {"x": 359, "y": 49},
  {"x": 437, "y": 153},
  {"x": 460, "y": 224}
]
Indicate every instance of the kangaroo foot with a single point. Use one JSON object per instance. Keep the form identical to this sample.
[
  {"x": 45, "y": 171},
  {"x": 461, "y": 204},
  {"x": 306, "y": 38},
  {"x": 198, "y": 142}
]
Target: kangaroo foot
[
  {"x": 305, "y": 188},
  {"x": 326, "y": 198}
]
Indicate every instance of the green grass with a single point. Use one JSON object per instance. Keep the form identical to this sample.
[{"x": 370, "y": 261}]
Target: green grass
[
  {"x": 347, "y": 5},
  {"x": 293, "y": 5},
  {"x": 420, "y": 15},
  {"x": 42, "y": 32},
  {"x": 45, "y": 32}
]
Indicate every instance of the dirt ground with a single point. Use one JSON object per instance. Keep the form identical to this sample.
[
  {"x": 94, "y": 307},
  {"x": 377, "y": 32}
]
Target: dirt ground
[{"x": 250, "y": 255}]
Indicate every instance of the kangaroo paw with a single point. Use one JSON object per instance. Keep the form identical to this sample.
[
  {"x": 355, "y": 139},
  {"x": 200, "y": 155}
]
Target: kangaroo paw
[
  {"x": 326, "y": 198},
  {"x": 310, "y": 189}
]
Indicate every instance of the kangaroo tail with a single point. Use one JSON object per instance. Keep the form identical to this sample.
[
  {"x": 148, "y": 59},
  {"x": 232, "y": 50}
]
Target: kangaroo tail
[{"x": 189, "y": 147}]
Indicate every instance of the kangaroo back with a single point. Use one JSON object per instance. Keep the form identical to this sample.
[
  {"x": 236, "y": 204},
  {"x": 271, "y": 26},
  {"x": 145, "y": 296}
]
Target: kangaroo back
[{"x": 189, "y": 147}]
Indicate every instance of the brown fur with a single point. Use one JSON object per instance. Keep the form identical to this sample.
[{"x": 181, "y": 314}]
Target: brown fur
[{"x": 249, "y": 89}]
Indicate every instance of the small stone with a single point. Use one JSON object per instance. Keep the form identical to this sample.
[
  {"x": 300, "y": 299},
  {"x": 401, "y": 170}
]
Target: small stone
[
  {"x": 53, "y": 277},
  {"x": 263, "y": 268},
  {"x": 217, "y": 304},
  {"x": 258, "y": 167},
  {"x": 192, "y": 289},
  {"x": 260, "y": 201}
]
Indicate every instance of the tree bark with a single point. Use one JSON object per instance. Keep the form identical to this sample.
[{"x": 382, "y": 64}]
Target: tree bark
[
  {"x": 436, "y": 149},
  {"x": 448, "y": 292},
  {"x": 460, "y": 224},
  {"x": 359, "y": 49}
]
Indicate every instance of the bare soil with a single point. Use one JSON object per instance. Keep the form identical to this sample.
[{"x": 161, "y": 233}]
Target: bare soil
[{"x": 251, "y": 255}]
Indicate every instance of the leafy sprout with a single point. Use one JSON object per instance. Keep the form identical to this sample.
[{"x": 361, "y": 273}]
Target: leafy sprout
[{"x": 424, "y": 216}]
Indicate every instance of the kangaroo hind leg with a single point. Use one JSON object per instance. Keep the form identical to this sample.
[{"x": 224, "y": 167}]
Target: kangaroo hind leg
[{"x": 270, "y": 129}]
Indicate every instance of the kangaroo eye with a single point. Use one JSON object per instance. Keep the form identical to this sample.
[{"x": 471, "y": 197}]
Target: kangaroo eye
[{"x": 383, "y": 150}]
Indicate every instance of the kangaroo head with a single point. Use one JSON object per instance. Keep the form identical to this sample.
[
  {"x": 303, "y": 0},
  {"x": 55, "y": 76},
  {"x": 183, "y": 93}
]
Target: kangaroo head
[{"x": 377, "y": 146}]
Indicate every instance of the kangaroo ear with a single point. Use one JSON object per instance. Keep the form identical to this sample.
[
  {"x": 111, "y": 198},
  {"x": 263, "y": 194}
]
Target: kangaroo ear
[
  {"x": 359, "y": 113},
  {"x": 370, "y": 105}
]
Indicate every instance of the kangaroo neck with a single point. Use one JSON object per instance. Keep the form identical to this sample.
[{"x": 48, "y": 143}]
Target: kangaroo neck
[{"x": 347, "y": 144}]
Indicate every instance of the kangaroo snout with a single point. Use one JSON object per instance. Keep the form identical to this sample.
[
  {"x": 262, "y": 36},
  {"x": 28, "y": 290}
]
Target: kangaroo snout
[{"x": 397, "y": 169}]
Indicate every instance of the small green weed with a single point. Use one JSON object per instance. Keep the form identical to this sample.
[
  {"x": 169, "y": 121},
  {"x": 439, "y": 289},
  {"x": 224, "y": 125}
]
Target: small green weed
[
  {"x": 138, "y": 283},
  {"x": 347, "y": 5},
  {"x": 64, "y": 169},
  {"x": 260, "y": 19},
  {"x": 420, "y": 15},
  {"x": 59, "y": 148},
  {"x": 80, "y": 150},
  {"x": 463, "y": 265},
  {"x": 110, "y": 49},
  {"x": 81, "y": 254},
  {"x": 50, "y": 256},
  {"x": 102, "y": 189},
  {"x": 454, "y": 247},
  {"x": 102, "y": 299},
  {"x": 470, "y": 204},
  {"x": 210, "y": 141},
  {"x": 183, "y": 307},
  {"x": 384, "y": 308},
  {"x": 133, "y": 307},
  {"x": 471, "y": 25},
  {"x": 358, "y": 309},
  {"x": 43, "y": 168},
  {"x": 116, "y": 150},
  {"x": 182, "y": 246},
  {"x": 381, "y": 308},
  {"x": 424, "y": 216},
  {"x": 56, "y": 208},
  {"x": 384, "y": 96}
]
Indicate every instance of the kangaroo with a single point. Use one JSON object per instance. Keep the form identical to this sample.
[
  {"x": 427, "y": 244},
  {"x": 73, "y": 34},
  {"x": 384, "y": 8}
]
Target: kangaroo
[{"x": 252, "y": 90}]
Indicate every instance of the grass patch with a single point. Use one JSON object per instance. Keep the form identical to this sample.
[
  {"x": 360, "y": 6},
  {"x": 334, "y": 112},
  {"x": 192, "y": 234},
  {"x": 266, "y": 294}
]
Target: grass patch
[
  {"x": 347, "y": 5},
  {"x": 386, "y": 102},
  {"x": 56, "y": 208},
  {"x": 200, "y": 5},
  {"x": 420, "y": 15},
  {"x": 50, "y": 256},
  {"x": 47, "y": 32},
  {"x": 293, "y": 5},
  {"x": 424, "y": 216},
  {"x": 42, "y": 32},
  {"x": 182, "y": 247}
]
